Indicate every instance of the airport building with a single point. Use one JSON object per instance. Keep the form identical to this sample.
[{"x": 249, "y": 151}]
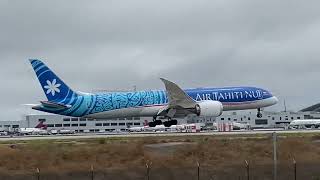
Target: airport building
[
  {"x": 57, "y": 122},
  {"x": 268, "y": 119}
]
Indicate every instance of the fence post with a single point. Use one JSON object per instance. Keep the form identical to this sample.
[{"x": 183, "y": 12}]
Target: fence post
[
  {"x": 198, "y": 164},
  {"x": 248, "y": 169},
  {"x": 295, "y": 169},
  {"x": 148, "y": 166},
  {"x": 92, "y": 172},
  {"x": 38, "y": 174}
]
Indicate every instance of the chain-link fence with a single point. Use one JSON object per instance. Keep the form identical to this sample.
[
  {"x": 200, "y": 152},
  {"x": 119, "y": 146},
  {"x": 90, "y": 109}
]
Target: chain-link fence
[
  {"x": 151, "y": 171},
  {"x": 203, "y": 159}
]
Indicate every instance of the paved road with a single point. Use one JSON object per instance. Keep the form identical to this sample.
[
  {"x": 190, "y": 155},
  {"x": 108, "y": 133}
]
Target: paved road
[{"x": 90, "y": 136}]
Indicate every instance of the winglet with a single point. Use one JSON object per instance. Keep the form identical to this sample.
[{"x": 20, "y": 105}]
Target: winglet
[{"x": 176, "y": 96}]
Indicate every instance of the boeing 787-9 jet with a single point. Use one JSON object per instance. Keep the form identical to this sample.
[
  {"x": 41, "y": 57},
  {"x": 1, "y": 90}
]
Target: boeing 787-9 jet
[{"x": 173, "y": 102}]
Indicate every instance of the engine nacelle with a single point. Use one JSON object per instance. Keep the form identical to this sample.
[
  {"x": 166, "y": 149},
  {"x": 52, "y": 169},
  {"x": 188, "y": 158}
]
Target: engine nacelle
[{"x": 209, "y": 108}]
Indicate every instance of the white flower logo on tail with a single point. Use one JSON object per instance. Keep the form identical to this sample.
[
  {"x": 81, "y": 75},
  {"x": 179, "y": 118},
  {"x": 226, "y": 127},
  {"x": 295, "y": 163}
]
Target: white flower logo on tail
[{"x": 52, "y": 87}]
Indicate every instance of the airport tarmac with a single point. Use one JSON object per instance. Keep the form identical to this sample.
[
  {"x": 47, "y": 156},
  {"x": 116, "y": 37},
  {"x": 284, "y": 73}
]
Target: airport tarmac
[{"x": 160, "y": 134}]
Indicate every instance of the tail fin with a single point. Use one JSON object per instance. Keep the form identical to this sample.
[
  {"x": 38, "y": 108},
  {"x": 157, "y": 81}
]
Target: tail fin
[
  {"x": 41, "y": 125},
  {"x": 146, "y": 123},
  {"x": 54, "y": 88}
]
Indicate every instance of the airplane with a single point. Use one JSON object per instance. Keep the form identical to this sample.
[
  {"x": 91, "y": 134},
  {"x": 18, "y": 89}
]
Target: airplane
[
  {"x": 173, "y": 102},
  {"x": 239, "y": 126},
  {"x": 139, "y": 128},
  {"x": 32, "y": 131},
  {"x": 66, "y": 131},
  {"x": 136, "y": 129},
  {"x": 41, "y": 128},
  {"x": 305, "y": 123},
  {"x": 157, "y": 128}
]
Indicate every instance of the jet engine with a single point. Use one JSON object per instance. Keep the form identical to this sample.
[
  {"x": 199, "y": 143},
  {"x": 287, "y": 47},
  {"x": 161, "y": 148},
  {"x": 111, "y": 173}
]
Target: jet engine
[{"x": 209, "y": 108}]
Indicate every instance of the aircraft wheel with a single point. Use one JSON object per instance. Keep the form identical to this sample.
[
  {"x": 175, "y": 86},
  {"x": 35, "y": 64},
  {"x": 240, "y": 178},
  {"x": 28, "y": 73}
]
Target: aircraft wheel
[
  {"x": 158, "y": 122},
  {"x": 174, "y": 122},
  {"x": 167, "y": 124},
  {"x": 152, "y": 124},
  {"x": 259, "y": 115}
]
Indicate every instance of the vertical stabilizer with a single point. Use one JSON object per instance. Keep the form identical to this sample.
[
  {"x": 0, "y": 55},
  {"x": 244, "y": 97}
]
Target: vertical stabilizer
[{"x": 54, "y": 88}]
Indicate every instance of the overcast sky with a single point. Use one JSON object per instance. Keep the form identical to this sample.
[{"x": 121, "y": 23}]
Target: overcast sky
[{"x": 116, "y": 44}]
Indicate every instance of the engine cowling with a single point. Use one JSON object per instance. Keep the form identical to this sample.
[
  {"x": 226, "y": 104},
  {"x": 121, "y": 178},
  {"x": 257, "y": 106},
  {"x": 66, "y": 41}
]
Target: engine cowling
[{"x": 209, "y": 108}]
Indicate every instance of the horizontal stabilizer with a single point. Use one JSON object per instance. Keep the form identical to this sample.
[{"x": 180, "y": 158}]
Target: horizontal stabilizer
[
  {"x": 55, "y": 105},
  {"x": 29, "y": 104}
]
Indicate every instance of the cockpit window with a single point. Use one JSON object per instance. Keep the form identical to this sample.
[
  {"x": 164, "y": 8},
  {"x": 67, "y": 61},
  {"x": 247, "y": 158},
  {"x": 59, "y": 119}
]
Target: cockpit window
[{"x": 266, "y": 93}]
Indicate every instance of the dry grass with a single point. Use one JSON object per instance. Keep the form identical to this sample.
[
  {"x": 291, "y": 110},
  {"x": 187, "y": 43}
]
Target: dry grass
[{"x": 127, "y": 157}]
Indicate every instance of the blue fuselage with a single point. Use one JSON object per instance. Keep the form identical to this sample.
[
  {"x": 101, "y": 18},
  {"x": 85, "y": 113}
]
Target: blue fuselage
[
  {"x": 230, "y": 94},
  {"x": 232, "y": 98}
]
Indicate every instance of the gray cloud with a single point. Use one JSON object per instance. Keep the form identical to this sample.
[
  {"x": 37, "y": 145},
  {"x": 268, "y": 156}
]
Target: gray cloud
[{"x": 119, "y": 44}]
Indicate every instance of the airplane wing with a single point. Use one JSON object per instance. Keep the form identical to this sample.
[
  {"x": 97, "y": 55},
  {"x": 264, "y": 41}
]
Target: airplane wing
[{"x": 178, "y": 99}]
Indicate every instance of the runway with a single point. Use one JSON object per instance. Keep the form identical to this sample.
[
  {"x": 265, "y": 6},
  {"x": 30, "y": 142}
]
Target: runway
[{"x": 137, "y": 135}]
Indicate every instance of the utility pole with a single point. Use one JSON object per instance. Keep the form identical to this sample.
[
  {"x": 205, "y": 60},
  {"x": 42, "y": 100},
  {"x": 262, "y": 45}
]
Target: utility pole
[{"x": 274, "y": 135}]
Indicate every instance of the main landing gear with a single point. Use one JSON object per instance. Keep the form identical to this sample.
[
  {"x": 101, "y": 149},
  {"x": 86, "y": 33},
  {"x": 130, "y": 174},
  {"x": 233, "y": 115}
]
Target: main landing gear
[
  {"x": 168, "y": 123},
  {"x": 155, "y": 122},
  {"x": 259, "y": 114}
]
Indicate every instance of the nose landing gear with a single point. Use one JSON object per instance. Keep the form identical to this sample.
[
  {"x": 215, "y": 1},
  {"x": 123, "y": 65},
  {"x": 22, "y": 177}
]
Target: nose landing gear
[{"x": 259, "y": 114}]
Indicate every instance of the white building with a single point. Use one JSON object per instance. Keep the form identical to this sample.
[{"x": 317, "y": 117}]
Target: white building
[
  {"x": 268, "y": 119},
  {"x": 57, "y": 122}
]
